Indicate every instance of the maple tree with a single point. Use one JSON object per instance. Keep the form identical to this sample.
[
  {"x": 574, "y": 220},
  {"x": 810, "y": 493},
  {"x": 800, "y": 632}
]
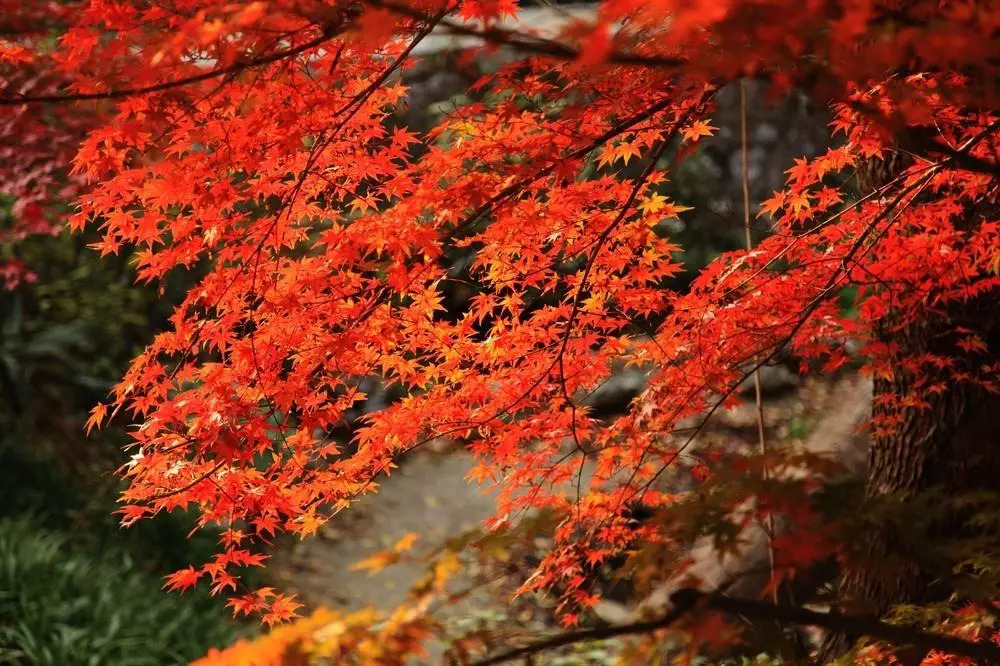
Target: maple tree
[{"x": 261, "y": 141}]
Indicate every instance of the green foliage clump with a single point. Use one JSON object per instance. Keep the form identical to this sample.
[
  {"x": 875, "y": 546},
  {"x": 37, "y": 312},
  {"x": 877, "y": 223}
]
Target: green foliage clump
[{"x": 61, "y": 605}]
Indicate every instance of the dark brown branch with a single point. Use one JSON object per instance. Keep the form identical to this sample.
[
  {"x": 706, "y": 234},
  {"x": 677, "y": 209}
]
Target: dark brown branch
[
  {"x": 687, "y": 599},
  {"x": 921, "y": 142},
  {"x": 187, "y": 486},
  {"x": 859, "y": 626},
  {"x": 528, "y": 43},
  {"x": 121, "y": 93},
  {"x": 601, "y": 633},
  {"x": 960, "y": 158}
]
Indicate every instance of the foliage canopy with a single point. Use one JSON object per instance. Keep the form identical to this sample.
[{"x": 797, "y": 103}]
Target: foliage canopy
[{"x": 261, "y": 143}]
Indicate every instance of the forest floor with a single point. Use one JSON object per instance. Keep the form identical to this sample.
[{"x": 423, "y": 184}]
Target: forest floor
[{"x": 428, "y": 495}]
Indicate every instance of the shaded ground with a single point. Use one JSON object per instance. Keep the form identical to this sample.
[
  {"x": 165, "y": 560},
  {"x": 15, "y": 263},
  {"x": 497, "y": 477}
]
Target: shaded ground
[{"x": 428, "y": 495}]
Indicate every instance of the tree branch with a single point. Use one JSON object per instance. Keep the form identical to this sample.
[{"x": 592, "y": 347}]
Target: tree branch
[
  {"x": 859, "y": 626},
  {"x": 600, "y": 633},
  {"x": 328, "y": 33},
  {"x": 527, "y": 43},
  {"x": 687, "y": 599}
]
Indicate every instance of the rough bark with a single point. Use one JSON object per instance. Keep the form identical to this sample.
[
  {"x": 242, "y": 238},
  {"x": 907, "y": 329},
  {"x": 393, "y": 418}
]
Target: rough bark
[{"x": 952, "y": 447}]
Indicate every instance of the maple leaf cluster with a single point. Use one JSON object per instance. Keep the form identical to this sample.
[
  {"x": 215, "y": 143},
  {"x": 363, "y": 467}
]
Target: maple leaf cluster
[{"x": 262, "y": 143}]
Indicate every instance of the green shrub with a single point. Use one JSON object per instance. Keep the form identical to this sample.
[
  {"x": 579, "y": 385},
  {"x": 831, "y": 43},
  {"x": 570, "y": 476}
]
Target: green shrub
[{"x": 63, "y": 605}]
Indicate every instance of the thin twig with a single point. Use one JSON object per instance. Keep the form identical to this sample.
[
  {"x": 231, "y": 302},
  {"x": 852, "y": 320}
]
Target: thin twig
[{"x": 758, "y": 394}]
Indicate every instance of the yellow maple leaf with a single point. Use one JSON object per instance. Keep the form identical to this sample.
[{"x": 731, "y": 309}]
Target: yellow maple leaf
[{"x": 653, "y": 204}]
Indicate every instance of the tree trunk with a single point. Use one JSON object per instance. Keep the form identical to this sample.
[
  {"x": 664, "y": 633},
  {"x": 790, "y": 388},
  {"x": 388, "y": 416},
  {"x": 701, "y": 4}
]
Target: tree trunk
[{"x": 952, "y": 447}]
